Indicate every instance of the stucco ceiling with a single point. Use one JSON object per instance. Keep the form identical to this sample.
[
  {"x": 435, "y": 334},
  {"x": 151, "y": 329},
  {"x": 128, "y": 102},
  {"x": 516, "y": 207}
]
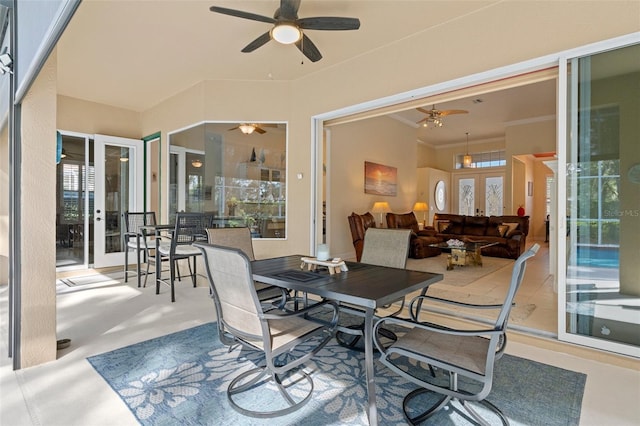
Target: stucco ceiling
[{"x": 135, "y": 54}]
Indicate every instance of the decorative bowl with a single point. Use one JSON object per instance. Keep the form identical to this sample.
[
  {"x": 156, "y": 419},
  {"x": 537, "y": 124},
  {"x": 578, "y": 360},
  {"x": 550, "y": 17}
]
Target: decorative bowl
[{"x": 455, "y": 243}]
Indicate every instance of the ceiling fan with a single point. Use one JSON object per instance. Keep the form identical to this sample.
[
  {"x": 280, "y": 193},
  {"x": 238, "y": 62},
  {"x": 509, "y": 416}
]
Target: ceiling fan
[
  {"x": 288, "y": 28},
  {"x": 248, "y": 128},
  {"x": 435, "y": 116}
]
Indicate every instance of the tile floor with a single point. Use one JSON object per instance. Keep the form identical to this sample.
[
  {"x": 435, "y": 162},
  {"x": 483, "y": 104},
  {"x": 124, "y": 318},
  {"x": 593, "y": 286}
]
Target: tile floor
[{"x": 102, "y": 317}]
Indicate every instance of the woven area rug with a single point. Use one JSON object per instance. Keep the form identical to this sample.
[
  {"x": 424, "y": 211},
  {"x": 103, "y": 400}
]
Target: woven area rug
[
  {"x": 460, "y": 276},
  {"x": 181, "y": 378}
]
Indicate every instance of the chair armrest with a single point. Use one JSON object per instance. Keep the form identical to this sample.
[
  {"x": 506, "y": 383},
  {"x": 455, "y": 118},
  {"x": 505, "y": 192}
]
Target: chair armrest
[
  {"x": 488, "y": 332},
  {"x": 428, "y": 231},
  {"x": 304, "y": 311},
  {"x": 417, "y": 301}
]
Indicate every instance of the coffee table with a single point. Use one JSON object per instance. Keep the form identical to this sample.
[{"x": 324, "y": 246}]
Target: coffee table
[{"x": 467, "y": 254}]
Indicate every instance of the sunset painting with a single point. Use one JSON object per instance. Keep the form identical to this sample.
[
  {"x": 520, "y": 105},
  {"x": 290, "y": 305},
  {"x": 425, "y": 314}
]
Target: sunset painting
[{"x": 379, "y": 179}]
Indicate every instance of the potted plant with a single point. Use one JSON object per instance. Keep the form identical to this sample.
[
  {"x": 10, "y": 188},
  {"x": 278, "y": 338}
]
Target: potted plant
[{"x": 232, "y": 203}]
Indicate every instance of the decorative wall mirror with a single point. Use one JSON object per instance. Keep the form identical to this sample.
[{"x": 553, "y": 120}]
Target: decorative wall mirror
[
  {"x": 440, "y": 195},
  {"x": 235, "y": 173}
]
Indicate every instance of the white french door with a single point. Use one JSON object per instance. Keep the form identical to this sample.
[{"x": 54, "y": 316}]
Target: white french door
[
  {"x": 479, "y": 194},
  {"x": 119, "y": 168}
]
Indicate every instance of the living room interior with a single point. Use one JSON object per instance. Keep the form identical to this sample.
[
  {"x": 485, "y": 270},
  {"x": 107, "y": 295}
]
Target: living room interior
[{"x": 388, "y": 135}]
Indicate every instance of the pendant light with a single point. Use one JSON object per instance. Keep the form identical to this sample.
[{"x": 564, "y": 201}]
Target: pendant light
[{"x": 466, "y": 160}]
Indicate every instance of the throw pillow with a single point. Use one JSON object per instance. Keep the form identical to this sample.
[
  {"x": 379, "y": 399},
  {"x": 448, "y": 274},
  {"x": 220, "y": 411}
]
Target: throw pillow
[
  {"x": 443, "y": 225},
  {"x": 512, "y": 227},
  {"x": 502, "y": 230}
]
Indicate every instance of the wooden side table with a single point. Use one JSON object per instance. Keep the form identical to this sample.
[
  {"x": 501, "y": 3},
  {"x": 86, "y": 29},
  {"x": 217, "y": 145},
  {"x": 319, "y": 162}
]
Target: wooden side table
[{"x": 311, "y": 263}]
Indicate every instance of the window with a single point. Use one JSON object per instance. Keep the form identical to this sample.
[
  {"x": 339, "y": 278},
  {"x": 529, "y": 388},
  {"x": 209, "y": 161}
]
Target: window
[
  {"x": 483, "y": 160},
  {"x": 238, "y": 179}
]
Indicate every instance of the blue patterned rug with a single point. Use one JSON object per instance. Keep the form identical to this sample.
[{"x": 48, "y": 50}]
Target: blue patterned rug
[{"x": 181, "y": 378}]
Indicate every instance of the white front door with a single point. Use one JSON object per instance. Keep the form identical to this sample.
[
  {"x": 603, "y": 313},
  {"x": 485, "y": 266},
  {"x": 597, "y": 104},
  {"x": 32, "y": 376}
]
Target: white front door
[{"x": 119, "y": 168}]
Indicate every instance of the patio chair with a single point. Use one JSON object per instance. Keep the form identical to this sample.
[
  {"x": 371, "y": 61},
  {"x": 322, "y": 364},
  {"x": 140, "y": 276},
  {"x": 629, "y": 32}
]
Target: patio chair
[
  {"x": 240, "y": 238},
  {"x": 189, "y": 229},
  {"x": 288, "y": 339},
  {"x": 382, "y": 247},
  {"x": 135, "y": 239},
  {"x": 434, "y": 356}
]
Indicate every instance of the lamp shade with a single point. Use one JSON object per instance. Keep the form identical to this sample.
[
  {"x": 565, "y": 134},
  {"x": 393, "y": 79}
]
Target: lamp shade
[
  {"x": 420, "y": 207},
  {"x": 380, "y": 207}
]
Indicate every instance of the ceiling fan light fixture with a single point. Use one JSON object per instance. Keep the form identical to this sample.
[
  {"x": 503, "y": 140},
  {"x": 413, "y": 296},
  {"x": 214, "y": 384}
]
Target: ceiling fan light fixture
[
  {"x": 247, "y": 129},
  {"x": 286, "y": 33}
]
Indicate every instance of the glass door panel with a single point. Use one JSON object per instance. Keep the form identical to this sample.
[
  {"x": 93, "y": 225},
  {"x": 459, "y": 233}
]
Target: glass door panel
[
  {"x": 74, "y": 205},
  {"x": 602, "y": 290},
  {"x": 493, "y": 196},
  {"x": 119, "y": 188},
  {"x": 466, "y": 196}
]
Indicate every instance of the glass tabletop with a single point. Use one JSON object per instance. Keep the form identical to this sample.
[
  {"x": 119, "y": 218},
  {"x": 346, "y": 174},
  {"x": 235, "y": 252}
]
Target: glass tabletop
[{"x": 465, "y": 246}]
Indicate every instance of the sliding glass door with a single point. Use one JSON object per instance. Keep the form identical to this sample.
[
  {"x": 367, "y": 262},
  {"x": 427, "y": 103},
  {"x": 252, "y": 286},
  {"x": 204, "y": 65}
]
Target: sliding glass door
[{"x": 602, "y": 289}]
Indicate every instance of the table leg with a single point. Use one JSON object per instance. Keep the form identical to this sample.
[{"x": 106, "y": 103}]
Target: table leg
[
  {"x": 138, "y": 258},
  {"x": 369, "y": 368},
  {"x": 158, "y": 263}
]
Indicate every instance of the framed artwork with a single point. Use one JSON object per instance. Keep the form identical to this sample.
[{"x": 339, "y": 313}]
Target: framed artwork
[
  {"x": 440, "y": 195},
  {"x": 380, "y": 180}
]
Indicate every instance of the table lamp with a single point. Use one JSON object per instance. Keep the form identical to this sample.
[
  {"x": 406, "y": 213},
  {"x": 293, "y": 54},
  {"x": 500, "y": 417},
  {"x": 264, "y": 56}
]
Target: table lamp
[
  {"x": 380, "y": 207},
  {"x": 421, "y": 207}
]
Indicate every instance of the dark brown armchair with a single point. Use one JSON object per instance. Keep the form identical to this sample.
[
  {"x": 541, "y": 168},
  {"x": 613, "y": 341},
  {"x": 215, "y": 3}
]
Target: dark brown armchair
[
  {"x": 359, "y": 223},
  {"x": 420, "y": 239}
]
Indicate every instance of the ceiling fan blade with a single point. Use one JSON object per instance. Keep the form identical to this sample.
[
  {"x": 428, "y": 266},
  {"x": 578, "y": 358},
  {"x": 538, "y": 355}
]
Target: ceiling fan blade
[
  {"x": 422, "y": 121},
  {"x": 259, "y": 130},
  {"x": 330, "y": 23},
  {"x": 288, "y": 9},
  {"x": 268, "y": 125},
  {"x": 241, "y": 14},
  {"x": 260, "y": 41},
  {"x": 234, "y": 128},
  {"x": 424, "y": 111},
  {"x": 309, "y": 49},
  {"x": 452, "y": 111}
]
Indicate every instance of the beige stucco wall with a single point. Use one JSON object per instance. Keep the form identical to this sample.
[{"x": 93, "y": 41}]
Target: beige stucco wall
[
  {"x": 92, "y": 118},
  {"x": 38, "y": 218}
]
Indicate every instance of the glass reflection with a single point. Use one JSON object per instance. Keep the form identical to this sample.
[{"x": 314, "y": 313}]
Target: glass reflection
[
  {"x": 603, "y": 205},
  {"x": 235, "y": 179}
]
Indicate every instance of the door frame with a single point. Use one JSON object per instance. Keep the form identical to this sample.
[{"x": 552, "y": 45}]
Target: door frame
[{"x": 136, "y": 193}]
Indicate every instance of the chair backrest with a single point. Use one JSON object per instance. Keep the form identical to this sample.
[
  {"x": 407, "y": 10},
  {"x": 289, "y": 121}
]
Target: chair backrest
[
  {"x": 359, "y": 223},
  {"x": 189, "y": 228},
  {"x": 386, "y": 247},
  {"x": 133, "y": 221},
  {"x": 517, "y": 275},
  {"x": 234, "y": 293},
  {"x": 403, "y": 221},
  {"x": 239, "y": 238}
]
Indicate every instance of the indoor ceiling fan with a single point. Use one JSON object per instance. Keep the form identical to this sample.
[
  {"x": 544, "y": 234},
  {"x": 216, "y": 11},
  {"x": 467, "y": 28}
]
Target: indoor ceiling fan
[
  {"x": 435, "y": 116},
  {"x": 248, "y": 128},
  {"x": 288, "y": 28}
]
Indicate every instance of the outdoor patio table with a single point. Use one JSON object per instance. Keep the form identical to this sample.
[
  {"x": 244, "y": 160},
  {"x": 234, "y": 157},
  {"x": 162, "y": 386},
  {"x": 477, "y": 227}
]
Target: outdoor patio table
[{"x": 367, "y": 286}]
